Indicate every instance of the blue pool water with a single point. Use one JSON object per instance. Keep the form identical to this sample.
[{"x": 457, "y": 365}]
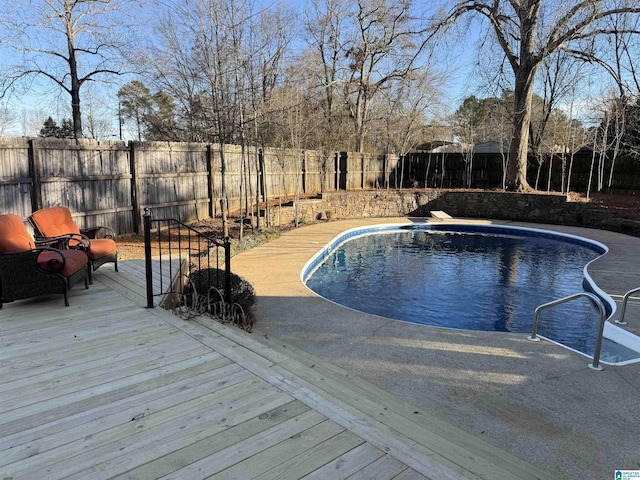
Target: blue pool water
[{"x": 475, "y": 279}]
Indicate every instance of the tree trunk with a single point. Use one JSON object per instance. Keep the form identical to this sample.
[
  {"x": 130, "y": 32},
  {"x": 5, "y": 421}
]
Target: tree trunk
[
  {"x": 593, "y": 161},
  {"x": 224, "y": 201},
  {"x": 518, "y": 152},
  {"x": 75, "y": 94}
]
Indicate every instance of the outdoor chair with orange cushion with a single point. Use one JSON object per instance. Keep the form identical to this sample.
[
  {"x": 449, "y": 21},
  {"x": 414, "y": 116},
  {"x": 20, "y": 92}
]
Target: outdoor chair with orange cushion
[
  {"x": 56, "y": 223},
  {"x": 28, "y": 270}
]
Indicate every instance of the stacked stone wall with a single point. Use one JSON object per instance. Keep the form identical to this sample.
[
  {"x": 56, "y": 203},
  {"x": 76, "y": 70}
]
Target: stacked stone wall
[{"x": 535, "y": 208}]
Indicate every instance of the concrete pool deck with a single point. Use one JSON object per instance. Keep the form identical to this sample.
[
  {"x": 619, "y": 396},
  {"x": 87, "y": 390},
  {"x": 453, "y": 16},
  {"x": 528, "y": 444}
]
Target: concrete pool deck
[{"x": 539, "y": 402}]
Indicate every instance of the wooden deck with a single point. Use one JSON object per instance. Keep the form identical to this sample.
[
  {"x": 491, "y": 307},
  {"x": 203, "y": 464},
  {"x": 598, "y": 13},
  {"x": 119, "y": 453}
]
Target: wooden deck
[{"x": 106, "y": 388}]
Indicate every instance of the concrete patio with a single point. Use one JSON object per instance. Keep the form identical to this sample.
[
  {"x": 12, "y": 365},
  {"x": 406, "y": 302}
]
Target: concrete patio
[{"x": 538, "y": 402}]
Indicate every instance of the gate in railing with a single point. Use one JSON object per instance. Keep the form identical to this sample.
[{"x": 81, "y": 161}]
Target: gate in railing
[{"x": 184, "y": 257}]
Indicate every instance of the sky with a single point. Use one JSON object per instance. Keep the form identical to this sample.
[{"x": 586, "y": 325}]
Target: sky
[{"x": 459, "y": 55}]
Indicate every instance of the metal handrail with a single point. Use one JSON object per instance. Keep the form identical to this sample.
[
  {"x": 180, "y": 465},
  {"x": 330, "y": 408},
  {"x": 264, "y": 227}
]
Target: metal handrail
[
  {"x": 226, "y": 246},
  {"x": 623, "y": 309},
  {"x": 595, "y": 365}
]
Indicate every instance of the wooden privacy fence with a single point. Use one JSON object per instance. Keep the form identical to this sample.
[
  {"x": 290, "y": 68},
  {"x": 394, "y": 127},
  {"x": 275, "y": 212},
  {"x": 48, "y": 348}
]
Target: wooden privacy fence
[{"x": 112, "y": 182}]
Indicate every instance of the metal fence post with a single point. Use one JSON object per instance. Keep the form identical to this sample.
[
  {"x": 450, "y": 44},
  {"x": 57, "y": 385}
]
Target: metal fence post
[
  {"x": 147, "y": 257},
  {"x": 227, "y": 270}
]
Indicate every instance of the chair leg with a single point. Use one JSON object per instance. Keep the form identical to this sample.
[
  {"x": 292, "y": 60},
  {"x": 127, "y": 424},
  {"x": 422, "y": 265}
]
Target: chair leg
[
  {"x": 116, "y": 263},
  {"x": 66, "y": 298},
  {"x": 89, "y": 270}
]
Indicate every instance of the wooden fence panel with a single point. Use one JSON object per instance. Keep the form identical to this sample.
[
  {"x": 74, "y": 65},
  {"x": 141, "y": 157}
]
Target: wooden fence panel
[
  {"x": 90, "y": 178},
  {"x": 330, "y": 178},
  {"x": 173, "y": 179},
  {"x": 373, "y": 171},
  {"x": 314, "y": 171},
  {"x": 15, "y": 181},
  {"x": 354, "y": 171},
  {"x": 283, "y": 174},
  {"x": 391, "y": 164},
  {"x": 110, "y": 183},
  {"x": 274, "y": 172}
]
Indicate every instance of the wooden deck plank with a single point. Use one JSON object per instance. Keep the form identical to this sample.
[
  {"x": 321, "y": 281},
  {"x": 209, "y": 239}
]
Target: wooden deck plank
[
  {"x": 25, "y": 418},
  {"x": 314, "y": 458},
  {"x": 137, "y": 432},
  {"x": 83, "y": 328},
  {"x": 384, "y": 468},
  {"x": 129, "y": 407},
  {"x": 28, "y": 314},
  {"x": 79, "y": 381},
  {"x": 347, "y": 464},
  {"x": 24, "y": 363},
  {"x": 87, "y": 392},
  {"x": 77, "y": 334},
  {"x": 106, "y": 388},
  {"x": 223, "y": 431},
  {"x": 256, "y": 443},
  {"x": 410, "y": 474},
  {"x": 51, "y": 373},
  {"x": 75, "y": 343},
  {"x": 185, "y": 400},
  {"x": 274, "y": 456}
]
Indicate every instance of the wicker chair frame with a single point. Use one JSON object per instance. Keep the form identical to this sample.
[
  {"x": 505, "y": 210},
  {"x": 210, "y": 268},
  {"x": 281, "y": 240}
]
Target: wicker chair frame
[{"x": 21, "y": 276}]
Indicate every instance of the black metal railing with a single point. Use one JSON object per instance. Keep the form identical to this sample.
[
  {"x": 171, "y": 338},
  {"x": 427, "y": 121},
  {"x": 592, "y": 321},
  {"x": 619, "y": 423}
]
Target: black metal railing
[{"x": 180, "y": 252}]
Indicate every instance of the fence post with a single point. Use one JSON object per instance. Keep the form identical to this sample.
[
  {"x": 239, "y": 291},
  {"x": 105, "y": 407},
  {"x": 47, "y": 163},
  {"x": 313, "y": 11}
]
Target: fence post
[
  {"x": 304, "y": 172},
  {"x": 34, "y": 172},
  {"x": 210, "y": 183},
  {"x": 147, "y": 257},
  {"x": 135, "y": 186},
  {"x": 227, "y": 270}
]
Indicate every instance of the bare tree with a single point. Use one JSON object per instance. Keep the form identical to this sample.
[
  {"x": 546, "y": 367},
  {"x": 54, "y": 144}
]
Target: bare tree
[
  {"x": 327, "y": 23},
  {"x": 385, "y": 49},
  {"x": 68, "y": 42},
  {"x": 361, "y": 47},
  {"x": 99, "y": 118},
  {"x": 578, "y": 138},
  {"x": 529, "y": 31},
  {"x": 401, "y": 112},
  {"x": 6, "y": 119},
  {"x": 465, "y": 131},
  {"x": 221, "y": 60}
]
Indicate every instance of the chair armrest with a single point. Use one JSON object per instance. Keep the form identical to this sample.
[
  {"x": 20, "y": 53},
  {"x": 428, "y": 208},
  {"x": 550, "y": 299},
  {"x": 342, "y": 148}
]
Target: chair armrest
[
  {"x": 53, "y": 264},
  {"x": 62, "y": 242},
  {"x": 20, "y": 260},
  {"x": 104, "y": 232}
]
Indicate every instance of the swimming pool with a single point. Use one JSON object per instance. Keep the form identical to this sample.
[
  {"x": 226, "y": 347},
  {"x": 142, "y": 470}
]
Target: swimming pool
[{"x": 473, "y": 277}]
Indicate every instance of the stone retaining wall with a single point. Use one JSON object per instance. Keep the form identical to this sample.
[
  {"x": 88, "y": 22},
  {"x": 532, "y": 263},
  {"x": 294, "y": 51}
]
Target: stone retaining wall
[{"x": 535, "y": 208}]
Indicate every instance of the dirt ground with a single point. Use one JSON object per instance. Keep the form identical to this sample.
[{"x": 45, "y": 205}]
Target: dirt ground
[
  {"x": 132, "y": 246},
  {"x": 626, "y": 206}
]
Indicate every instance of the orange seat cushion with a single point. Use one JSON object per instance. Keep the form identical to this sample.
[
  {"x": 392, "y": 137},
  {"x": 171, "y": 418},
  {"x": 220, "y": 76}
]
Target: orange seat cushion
[
  {"x": 74, "y": 260},
  {"x": 101, "y": 247},
  {"x": 54, "y": 221},
  {"x": 14, "y": 236}
]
